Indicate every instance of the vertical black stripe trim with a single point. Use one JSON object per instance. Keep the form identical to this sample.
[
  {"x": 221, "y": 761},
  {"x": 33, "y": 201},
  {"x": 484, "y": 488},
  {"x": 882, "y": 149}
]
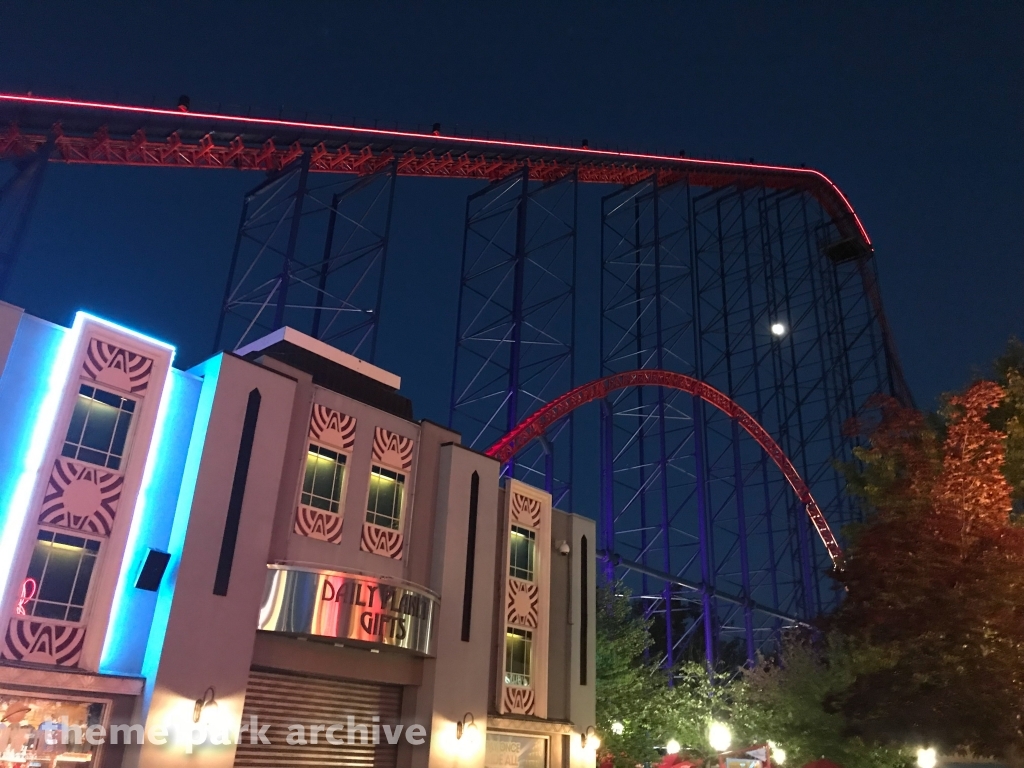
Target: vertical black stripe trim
[
  {"x": 227, "y": 543},
  {"x": 584, "y": 608},
  {"x": 467, "y": 595}
]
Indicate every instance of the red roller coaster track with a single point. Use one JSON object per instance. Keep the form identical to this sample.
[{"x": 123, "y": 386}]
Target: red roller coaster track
[
  {"x": 535, "y": 425},
  {"x": 118, "y": 134},
  {"x": 98, "y": 133}
]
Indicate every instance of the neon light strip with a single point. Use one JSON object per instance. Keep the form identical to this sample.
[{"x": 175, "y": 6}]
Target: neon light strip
[
  {"x": 271, "y": 123},
  {"x": 210, "y": 374},
  {"x": 17, "y": 511},
  {"x": 145, "y": 500},
  {"x": 126, "y": 331},
  {"x": 42, "y": 431}
]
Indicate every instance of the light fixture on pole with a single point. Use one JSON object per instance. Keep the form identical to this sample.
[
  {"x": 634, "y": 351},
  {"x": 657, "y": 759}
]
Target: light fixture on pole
[
  {"x": 589, "y": 739},
  {"x": 778, "y": 329},
  {"x": 618, "y": 728},
  {"x": 927, "y": 758},
  {"x": 673, "y": 747},
  {"x": 719, "y": 736}
]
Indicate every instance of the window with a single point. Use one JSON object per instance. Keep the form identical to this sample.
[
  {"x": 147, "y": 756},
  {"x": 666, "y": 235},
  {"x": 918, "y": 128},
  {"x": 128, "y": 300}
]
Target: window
[
  {"x": 384, "y": 507},
  {"x": 99, "y": 427},
  {"x": 325, "y": 471},
  {"x": 518, "y": 643},
  {"x": 31, "y": 729},
  {"x": 60, "y": 570},
  {"x": 522, "y": 551}
]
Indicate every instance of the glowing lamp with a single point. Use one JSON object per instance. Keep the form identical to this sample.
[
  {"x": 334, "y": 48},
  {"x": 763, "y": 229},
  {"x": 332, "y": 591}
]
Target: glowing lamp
[
  {"x": 719, "y": 736},
  {"x": 778, "y": 329},
  {"x": 926, "y": 758},
  {"x": 589, "y": 739},
  {"x": 673, "y": 747},
  {"x": 618, "y": 728},
  {"x": 778, "y": 753},
  {"x": 467, "y": 736}
]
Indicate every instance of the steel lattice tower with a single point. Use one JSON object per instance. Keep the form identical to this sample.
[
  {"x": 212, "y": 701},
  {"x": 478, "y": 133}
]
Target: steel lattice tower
[
  {"x": 516, "y": 322},
  {"x": 310, "y": 254},
  {"x": 692, "y": 281}
]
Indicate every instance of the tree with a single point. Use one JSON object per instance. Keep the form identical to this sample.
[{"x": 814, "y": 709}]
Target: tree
[
  {"x": 789, "y": 700},
  {"x": 627, "y": 689},
  {"x": 634, "y": 691},
  {"x": 935, "y": 582}
]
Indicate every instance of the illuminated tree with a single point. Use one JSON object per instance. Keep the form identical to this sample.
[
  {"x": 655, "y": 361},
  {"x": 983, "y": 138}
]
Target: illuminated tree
[{"x": 935, "y": 581}]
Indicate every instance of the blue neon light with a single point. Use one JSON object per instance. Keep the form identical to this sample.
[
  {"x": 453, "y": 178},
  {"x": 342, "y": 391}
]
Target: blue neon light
[
  {"x": 210, "y": 373},
  {"x": 131, "y": 616},
  {"x": 142, "y": 506},
  {"x": 82, "y": 316},
  {"x": 45, "y": 403},
  {"x": 50, "y": 382}
]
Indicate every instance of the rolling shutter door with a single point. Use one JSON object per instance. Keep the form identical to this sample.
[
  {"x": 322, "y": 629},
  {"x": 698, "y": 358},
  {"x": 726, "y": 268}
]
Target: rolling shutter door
[{"x": 284, "y": 698}]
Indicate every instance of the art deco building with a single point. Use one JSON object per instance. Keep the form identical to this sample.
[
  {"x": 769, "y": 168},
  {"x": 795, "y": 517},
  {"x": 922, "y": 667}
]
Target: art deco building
[{"x": 271, "y": 534}]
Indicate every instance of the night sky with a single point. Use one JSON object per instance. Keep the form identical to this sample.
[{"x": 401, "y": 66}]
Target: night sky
[{"x": 916, "y": 113}]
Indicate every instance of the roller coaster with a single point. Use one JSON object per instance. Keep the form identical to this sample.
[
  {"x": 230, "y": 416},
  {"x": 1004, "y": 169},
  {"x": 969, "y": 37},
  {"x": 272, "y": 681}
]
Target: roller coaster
[{"x": 741, "y": 328}]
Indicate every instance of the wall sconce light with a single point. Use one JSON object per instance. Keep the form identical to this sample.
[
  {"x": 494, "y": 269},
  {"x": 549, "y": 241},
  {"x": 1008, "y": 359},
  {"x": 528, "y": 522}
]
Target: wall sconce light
[
  {"x": 589, "y": 739},
  {"x": 465, "y": 723},
  {"x": 208, "y": 700}
]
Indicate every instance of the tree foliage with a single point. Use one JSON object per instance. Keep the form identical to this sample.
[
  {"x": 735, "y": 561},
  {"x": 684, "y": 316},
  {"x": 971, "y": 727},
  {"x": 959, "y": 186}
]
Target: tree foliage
[
  {"x": 935, "y": 581},
  {"x": 790, "y": 700},
  {"x": 634, "y": 690}
]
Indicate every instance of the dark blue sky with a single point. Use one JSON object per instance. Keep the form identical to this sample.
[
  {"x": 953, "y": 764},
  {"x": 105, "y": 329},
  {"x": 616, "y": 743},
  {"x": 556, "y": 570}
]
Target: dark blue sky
[{"x": 916, "y": 112}]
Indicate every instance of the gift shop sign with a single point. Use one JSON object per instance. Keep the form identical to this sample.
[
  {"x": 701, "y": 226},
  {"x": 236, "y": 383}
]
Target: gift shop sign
[{"x": 368, "y": 610}]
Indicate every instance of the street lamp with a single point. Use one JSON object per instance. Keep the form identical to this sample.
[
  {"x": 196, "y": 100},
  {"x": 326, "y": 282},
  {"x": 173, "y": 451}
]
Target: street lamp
[
  {"x": 778, "y": 329},
  {"x": 926, "y": 758},
  {"x": 618, "y": 728},
  {"x": 778, "y": 753},
  {"x": 720, "y": 737},
  {"x": 673, "y": 747}
]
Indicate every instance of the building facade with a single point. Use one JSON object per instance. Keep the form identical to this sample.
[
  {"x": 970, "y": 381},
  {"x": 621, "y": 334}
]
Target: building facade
[{"x": 265, "y": 561}]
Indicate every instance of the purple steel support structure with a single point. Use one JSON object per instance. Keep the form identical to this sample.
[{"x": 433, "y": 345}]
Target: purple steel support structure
[
  {"x": 310, "y": 253},
  {"x": 17, "y": 198},
  {"x": 692, "y": 281},
  {"x": 514, "y": 348}
]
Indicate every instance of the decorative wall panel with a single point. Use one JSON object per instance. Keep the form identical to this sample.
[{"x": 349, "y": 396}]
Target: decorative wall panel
[
  {"x": 318, "y": 524},
  {"x": 392, "y": 450},
  {"x": 81, "y": 497},
  {"x": 522, "y": 606},
  {"x": 381, "y": 541},
  {"x": 117, "y": 367},
  {"x": 519, "y": 701},
  {"x": 331, "y": 428},
  {"x": 41, "y": 642}
]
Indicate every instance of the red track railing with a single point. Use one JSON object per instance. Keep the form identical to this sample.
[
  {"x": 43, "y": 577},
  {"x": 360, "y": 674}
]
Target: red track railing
[{"x": 537, "y": 424}]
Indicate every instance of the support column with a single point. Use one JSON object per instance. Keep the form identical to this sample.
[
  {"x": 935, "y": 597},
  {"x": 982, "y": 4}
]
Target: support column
[{"x": 662, "y": 466}]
